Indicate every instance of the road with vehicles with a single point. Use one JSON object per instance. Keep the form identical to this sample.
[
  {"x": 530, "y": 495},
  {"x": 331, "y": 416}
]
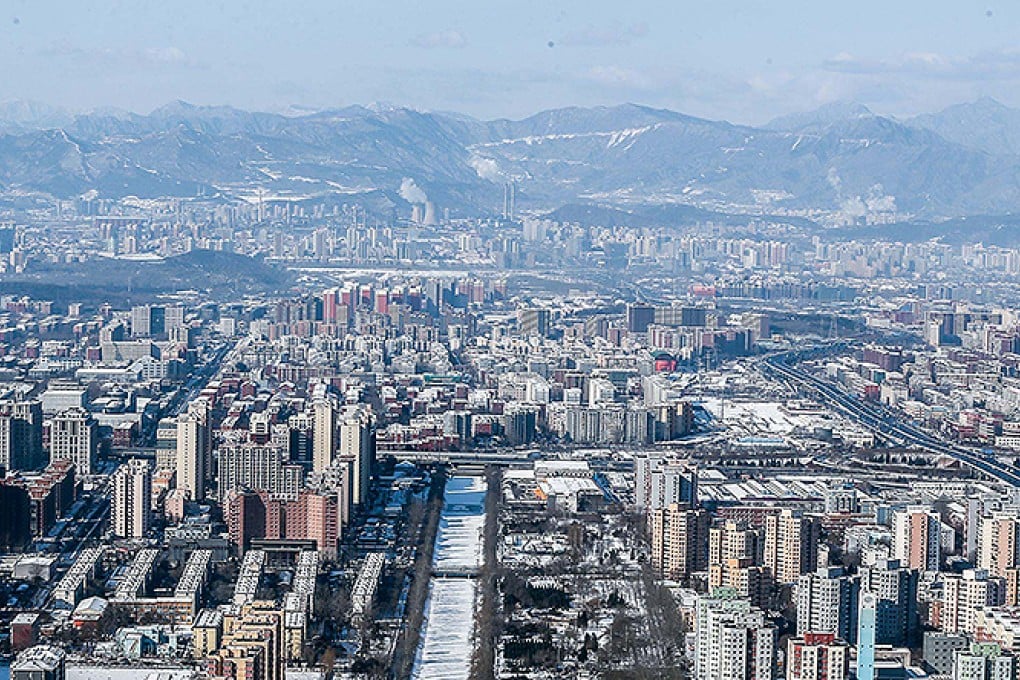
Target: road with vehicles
[{"x": 883, "y": 421}]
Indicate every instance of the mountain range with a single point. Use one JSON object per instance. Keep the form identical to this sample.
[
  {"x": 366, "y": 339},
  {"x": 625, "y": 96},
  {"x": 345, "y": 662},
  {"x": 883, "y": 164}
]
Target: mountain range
[{"x": 964, "y": 160}]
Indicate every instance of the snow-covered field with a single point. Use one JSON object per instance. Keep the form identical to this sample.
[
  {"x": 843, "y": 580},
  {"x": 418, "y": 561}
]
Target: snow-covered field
[
  {"x": 447, "y": 633},
  {"x": 758, "y": 417},
  {"x": 446, "y": 647},
  {"x": 459, "y": 541}
]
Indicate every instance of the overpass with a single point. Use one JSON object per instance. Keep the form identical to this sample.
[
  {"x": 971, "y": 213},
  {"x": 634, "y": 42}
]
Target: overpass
[
  {"x": 503, "y": 457},
  {"x": 883, "y": 421}
]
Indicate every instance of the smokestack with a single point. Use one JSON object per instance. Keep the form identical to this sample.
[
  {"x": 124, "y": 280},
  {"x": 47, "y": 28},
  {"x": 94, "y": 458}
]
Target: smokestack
[
  {"x": 416, "y": 215},
  {"x": 509, "y": 200},
  {"x": 430, "y": 214}
]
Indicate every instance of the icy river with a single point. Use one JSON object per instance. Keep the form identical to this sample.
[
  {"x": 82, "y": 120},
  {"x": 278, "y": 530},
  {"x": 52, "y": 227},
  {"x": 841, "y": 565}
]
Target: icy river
[{"x": 447, "y": 636}]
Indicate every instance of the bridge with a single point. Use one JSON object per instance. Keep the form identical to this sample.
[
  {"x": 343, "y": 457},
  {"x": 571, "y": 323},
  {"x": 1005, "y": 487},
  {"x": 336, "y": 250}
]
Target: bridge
[
  {"x": 883, "y": 421},
  {"x": 455, "y": 573},
  {"x": 503, "y": 457}
]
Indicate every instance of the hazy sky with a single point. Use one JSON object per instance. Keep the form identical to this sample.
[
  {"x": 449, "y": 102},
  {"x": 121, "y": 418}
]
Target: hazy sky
[{"x": 741, "y": 60}]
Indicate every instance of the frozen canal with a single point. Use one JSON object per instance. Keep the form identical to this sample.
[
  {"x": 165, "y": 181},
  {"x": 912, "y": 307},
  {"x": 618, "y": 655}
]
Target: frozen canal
[{"x": 447, "y": 633}]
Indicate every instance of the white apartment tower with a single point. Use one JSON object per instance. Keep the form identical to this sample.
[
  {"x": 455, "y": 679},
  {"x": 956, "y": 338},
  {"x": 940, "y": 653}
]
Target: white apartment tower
[
  {"x": 132, "y": 499},
  {"x": 74, "y": 436}
]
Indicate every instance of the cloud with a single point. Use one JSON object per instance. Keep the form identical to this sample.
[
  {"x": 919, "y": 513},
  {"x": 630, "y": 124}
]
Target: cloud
[
  {"x": 449, "y": 39},
  {"x": 613, "y": 36},
  {"x": 154, "y": 56},
  {"x": 411, "y": 192},
  {"x": 165, "y": 55},
  {"x": 989, "y": 65},
  {"x": 619, "y": 77},
  {"x": 486, "y": 168}
]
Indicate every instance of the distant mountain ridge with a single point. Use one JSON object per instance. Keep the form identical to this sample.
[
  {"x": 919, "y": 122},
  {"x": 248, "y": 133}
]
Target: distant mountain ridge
[{"x": 842, "y": 156}]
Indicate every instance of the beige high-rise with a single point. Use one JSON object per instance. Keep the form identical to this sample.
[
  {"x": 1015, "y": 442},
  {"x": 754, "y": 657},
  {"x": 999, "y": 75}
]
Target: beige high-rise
[
  {"x": 193, "y": 452},
  {"x": 323, "y": 435},
  {"x": 678, "y": 537},
  {"x": 791, "y": 542}
]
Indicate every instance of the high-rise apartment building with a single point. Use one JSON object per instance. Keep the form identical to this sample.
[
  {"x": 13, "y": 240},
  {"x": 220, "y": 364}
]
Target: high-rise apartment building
[
  {"x": 660, "y": 482},
  {"x": 21, "y": 427},
  {"x": 917, "y": 538},
  {"x": 258, "y": 467},
  {"x": 817, "y": 656},
  {"x": 324, "y": 439},
  {"x": 985, "y": 661},
  {"x": 74, "y": 436},
  {"x": 791, "y": 541},
  {"x": 734, "y": 641},
  {"x": 533, "y": 322},
  {"x": 357, "y": 445},
  {"x": 963, "y": 595},
  {"x": 998, "y": 550},
  {"x": 827, "y": 602},
  {"x": 252, "y": 644},
  {"x": 311, "y": 515},
  {"x": 733, "y": 540},
  {"x": 735, "y": 560},
  {"x": 193, "y": 443},
  {"x": 895, "y": 587},
  {"x": 679, "y": 537},
  {"x": 132, "y": 499}
]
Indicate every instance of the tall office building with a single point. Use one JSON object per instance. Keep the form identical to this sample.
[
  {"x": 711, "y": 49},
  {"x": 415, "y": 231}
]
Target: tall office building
[
  {"x": 509, "y": 200},
  {"x": 174, "y": 318},
  {"x": 963, "y": 595},
  {"x": 917, "y": 538},
  {"x": 679, "y": 537},
  {"x": 21, "y": 426},
  {"x": 324, "y": 439},
  {"x": 734, "y": 641},
  {"x": 132, "y": 499},
  {"x": 301, "y": 433},
  {"x": 639, "y": 317},
  {"x": 827, "y": 602},
  {"x": 193, "y": 437},
  {"x": 791, "y": 542},
  {"x": 867, "y": 628},
  {"x": 74, "y": 436},
  {"x": 817, "y": 656}
]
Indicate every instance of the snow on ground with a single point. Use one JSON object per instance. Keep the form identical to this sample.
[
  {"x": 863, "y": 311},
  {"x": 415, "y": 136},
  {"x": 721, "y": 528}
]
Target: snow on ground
[
  {"x": 446, "y": 642},
  {"x": 446, "y": 647},
  {"x": 459, "y": 542},
  {"x": 758, "y": 417}
]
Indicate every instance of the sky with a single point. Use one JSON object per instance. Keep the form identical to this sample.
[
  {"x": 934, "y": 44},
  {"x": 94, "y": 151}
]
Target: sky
[{"x": 740, "y": 60}]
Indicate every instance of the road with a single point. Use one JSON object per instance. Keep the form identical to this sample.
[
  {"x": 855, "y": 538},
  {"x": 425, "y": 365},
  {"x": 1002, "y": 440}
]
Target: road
[
  {"x": 200, "y": 378},
  {"x": 884, "y": 422}
]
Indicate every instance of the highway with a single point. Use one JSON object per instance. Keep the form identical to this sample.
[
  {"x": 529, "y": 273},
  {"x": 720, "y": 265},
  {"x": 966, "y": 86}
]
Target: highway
[{"x": 884, "y": 422}]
